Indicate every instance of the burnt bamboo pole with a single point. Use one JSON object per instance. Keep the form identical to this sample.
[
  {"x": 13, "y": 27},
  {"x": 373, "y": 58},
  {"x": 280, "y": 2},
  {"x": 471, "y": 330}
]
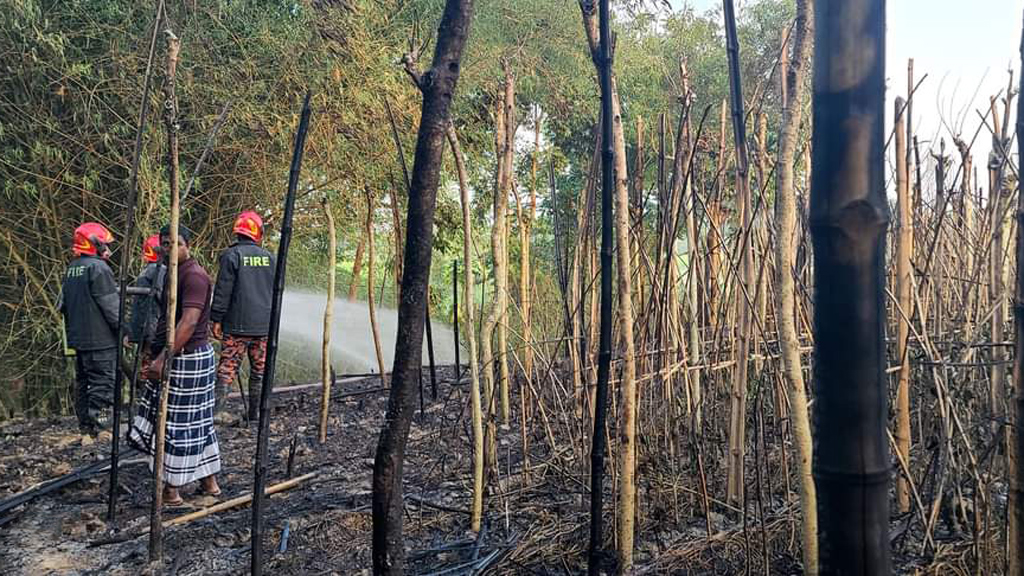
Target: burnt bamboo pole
[
  {"x": 598, "y": 446},
  {"x": 849, "y": 218},
  {"x": 129, "y": 215},
  {"x": 260, "y": 472},
  {"x": 1015, "y": 452},
  {"x": 737, "y": 411}
]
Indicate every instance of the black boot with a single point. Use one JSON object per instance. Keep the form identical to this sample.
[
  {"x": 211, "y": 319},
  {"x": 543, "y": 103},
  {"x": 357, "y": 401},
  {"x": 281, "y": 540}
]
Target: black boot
[{"x": 255, "y": 386}]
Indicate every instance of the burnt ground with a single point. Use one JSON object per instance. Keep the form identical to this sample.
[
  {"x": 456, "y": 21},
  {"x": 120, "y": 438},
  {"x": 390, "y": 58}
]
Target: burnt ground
[{"x": 537, "y": 520}]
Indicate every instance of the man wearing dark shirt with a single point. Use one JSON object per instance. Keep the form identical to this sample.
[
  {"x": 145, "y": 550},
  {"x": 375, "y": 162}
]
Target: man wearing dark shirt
[
  {"x": 191, "y": 451},
  {"x": 241, "y": 307},
  {"x": 89, "y": 302}
]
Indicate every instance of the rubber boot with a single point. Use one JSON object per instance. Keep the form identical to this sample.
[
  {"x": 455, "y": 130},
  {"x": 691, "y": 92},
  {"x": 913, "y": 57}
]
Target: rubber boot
[{"x": 255, "y": 387}]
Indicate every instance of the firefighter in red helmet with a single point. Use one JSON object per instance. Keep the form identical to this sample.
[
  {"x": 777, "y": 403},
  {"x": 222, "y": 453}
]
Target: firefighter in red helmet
[
  {"x": 241, "y": 307},
  {"x": 142, "y": 327},
  {"x": 89, "y": 303}
]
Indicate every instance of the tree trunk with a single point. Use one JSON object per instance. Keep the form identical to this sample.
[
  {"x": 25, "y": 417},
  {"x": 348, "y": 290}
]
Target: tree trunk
[
  {"x": 388, "y": 541},
  {"x": 325, "y": 351},
  {"x": 785, "y": 300},
  {"x": 849, "y": 217},
  {"x": 476, "y": 510}
]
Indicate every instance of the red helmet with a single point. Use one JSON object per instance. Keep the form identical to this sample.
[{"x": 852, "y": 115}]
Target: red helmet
[
  {"x": 151, "y": 249},
  {"x": 89, "y": 237},
  {"x": 249, "y": 224}
]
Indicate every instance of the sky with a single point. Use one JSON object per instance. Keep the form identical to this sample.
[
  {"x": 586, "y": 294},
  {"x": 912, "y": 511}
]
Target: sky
[{"x": 964, "y": 47}]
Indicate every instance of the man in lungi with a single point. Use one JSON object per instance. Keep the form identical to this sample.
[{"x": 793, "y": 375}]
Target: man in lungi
[{"x": 191, "y": 451}]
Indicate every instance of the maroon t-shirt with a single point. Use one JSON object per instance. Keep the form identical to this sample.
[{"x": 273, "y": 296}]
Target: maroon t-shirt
[{"x": 194, "y": 288}]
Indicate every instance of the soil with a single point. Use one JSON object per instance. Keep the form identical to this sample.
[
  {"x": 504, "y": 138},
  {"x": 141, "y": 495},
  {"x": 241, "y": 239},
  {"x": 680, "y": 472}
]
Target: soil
[{"x": 537, "y": 520}]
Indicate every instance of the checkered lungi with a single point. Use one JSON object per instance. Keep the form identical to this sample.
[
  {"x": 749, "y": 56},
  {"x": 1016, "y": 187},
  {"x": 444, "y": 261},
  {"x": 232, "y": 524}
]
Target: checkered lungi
[{"x": 191, "y": 451}]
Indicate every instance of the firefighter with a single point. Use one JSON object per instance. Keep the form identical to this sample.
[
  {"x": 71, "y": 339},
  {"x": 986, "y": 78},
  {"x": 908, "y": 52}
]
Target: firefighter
[
  {"x": 241, "y": 307},
  {"x": 142, "y": 327},
  {"x": 89, "y": 303}
]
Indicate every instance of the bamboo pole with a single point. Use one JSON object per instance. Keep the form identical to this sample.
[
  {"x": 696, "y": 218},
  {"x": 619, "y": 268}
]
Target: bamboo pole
[
  {"x": 601, "y": 53},
  {"x": 357, "y": 268},
  {"x": 325, "y": 350},
  {"x": 156, "y": 544},
  {"x": 849, "y": 217},
  {"x": 738, "y": 407},
  {"x": 263, "y": 432},
  {"x": 1015, "y": 435},
  {"x": 370, "y": 303},
  {"x": 235, "y": 502},
  {"x": 476, "y": 510},
  {"x": 904, "y": 248},
  {"x": 786, "y": 303},
  {"x": 128, "y": 238}
]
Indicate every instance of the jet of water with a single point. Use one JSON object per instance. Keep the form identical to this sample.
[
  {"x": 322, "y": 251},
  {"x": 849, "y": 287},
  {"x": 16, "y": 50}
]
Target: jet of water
[{"x": 352, "y": 348}]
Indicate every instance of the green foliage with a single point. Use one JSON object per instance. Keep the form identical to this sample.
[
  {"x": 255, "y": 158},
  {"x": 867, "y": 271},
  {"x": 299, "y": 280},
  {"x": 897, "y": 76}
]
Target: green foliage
[{"x": 71, "y": 75}]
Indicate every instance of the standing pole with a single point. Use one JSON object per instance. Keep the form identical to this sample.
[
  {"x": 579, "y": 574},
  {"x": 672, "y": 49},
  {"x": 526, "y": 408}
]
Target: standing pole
[
  {"x": 604, "y": 357},
  {"x": 429, "y": 332},
  {"x": 260, "y": 477},
  {"x": 455, "y": 317},
  {"x": 430, "y": 353},
  {"x": 738, "y": 410},
  {"x": 437, "y": 86},
  {"x": 325, "y": 352},
  {"x": 156, "y": 542},
  {"x": 1015, "y": 451},
  {"x": 129, "y": 215},
  {"x": 904, "y": 291},
  {"x": 848, "y": 221}
]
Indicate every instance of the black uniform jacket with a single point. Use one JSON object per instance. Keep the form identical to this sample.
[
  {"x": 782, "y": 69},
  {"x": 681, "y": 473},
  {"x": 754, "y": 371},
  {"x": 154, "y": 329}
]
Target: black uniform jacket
[
  {"x": 89, "y": 302},
  {"x": 245, "y": 285}
]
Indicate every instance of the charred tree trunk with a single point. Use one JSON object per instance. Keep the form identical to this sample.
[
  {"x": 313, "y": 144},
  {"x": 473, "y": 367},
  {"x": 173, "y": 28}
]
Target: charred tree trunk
[
  {"x": 1015, "y": 452},
  {"x": 786, "y": 308},
  {"x": 438, "y": 88},
  {"x": 849, "y": 218}
]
